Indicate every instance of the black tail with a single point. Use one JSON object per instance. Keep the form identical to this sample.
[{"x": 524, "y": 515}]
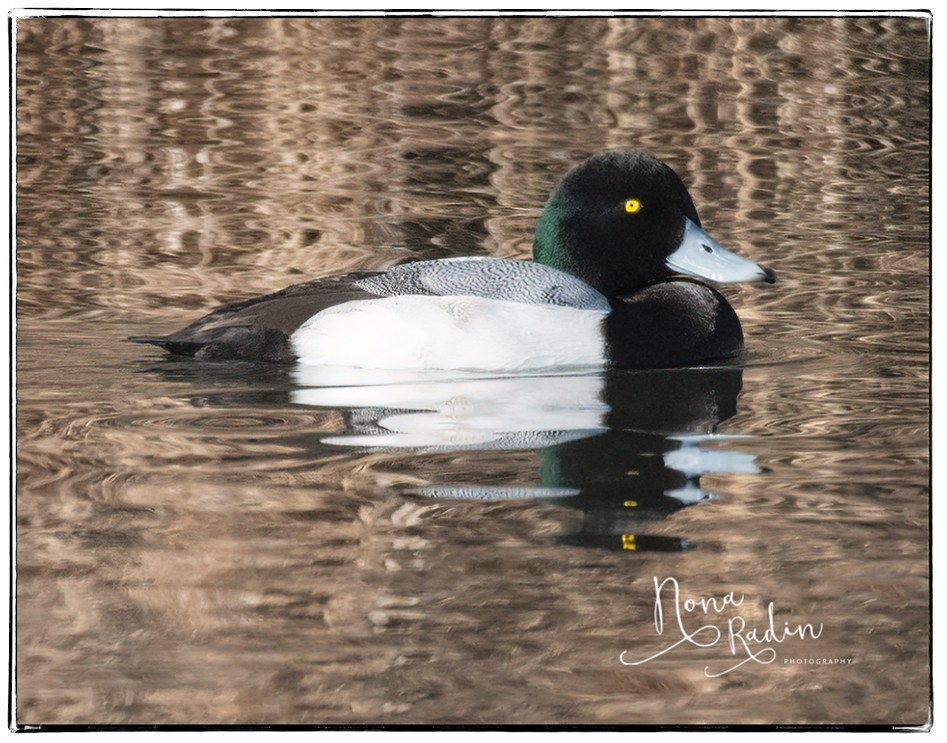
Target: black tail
[
  {"x": 155, "y": 340},
  {"x": 235, "y": 342},
  {"x": 178, "y": 348}
]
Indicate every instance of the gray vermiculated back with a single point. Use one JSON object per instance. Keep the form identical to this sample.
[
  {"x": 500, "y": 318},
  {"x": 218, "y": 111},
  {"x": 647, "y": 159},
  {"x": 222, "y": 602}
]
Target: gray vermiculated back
[{"x": 492, "y": 278}]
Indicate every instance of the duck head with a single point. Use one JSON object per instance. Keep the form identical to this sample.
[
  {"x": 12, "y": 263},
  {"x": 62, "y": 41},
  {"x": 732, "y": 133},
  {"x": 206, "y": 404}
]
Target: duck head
[{"x": 623, "y": 220}]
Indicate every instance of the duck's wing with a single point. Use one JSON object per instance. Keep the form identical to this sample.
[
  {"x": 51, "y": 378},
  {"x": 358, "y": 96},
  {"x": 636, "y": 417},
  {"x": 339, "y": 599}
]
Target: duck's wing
[
  {"x": 490, "y": 278},
  {"x": 259, "y": 328}
]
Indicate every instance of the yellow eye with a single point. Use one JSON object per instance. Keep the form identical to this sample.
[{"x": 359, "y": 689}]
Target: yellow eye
[{"x": 632, "y": 206}]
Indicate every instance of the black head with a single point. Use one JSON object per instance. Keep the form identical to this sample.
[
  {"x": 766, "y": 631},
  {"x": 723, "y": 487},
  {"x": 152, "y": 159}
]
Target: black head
[{"x": 615, "y": 221}]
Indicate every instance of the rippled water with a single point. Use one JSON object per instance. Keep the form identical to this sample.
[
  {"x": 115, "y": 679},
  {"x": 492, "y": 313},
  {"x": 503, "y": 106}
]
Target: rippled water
[{"x": 198, "y": 544}]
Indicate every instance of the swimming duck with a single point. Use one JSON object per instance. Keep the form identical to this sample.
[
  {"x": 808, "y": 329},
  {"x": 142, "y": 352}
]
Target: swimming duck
[{"x": 616, "y": 252}]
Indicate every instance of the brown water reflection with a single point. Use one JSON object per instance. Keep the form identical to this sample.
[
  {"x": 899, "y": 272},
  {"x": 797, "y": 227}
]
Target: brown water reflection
[{"x": 188, "y": 551}]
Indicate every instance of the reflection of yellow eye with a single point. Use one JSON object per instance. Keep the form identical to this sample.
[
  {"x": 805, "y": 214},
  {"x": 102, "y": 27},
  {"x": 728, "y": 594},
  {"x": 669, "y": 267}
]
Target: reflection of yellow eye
[{"x": 632, "y": 206}]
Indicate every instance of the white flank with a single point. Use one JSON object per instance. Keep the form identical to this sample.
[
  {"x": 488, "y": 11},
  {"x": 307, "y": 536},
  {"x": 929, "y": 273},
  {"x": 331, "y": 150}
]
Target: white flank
[{"x": 469, "y": 333}]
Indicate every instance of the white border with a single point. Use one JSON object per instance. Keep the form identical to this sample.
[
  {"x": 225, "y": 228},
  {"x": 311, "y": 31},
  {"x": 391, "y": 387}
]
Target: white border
[{"x": 130, "y": 8}]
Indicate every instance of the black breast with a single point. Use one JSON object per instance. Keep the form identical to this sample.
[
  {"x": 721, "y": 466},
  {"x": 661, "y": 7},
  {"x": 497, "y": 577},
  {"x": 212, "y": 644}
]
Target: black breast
[{"x": 674, "y": 323}]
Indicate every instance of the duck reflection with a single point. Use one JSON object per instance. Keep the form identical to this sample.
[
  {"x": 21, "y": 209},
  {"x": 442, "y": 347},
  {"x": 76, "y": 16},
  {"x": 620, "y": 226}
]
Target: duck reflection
[{"x": 623, "y": 448}]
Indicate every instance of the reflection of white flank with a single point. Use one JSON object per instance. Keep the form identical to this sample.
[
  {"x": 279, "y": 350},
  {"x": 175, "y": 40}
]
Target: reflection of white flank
[
  {"x": 454, "y": 439},
  {"x": 508, "y": 413},
  {"x": 486, "y": 492},
  {"x": 693, "y": 461}
]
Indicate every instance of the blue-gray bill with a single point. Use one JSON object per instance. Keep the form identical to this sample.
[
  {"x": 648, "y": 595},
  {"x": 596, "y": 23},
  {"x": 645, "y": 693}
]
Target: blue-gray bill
[{"x": 701, "y": 256}]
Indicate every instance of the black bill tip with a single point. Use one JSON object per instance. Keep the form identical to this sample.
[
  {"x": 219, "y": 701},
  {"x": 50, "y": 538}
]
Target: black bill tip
[{"x": 769, "y": 276}]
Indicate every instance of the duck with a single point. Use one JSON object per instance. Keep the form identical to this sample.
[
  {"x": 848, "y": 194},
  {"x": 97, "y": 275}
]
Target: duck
[{"x": 620, "y": 261}]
